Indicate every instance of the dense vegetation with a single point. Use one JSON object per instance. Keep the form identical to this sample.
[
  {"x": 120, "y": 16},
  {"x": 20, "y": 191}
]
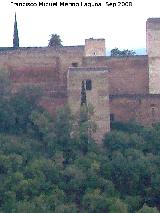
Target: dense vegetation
[
  {"x": 125, "y": 52},
  {"x": 51, "y": 165}
]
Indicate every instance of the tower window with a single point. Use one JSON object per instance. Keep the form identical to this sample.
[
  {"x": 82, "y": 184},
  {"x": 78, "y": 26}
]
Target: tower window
[
  {"x": 74, "y": 64},
  {"x": 88, "y": 84}
]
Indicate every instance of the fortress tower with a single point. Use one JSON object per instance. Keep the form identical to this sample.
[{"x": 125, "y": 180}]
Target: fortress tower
[
  {"x": 153, "y": 51},
  {"x": 96, "y": 85},
  {"x": 95, "y": 80},
  {"x": 95, "y": 47}
]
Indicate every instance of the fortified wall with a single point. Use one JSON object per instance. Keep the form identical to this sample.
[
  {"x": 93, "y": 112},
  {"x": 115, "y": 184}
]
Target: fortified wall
[
  {"x": 128, "y": 90},
  {"x": 127, "y": 75},
  {"x": 43, "y": 67}
]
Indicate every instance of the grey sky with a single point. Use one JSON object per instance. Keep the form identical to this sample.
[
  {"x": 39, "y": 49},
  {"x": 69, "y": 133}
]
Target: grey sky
[{"x": 121, "y": 26}]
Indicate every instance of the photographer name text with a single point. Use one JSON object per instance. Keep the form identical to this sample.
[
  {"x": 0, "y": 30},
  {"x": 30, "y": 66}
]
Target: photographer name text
[{"x": 73, "y": 4}]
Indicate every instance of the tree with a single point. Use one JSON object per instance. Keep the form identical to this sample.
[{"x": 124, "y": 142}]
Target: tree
[
  {"x": 23, "y": 103},
  {"x": 66, "y": 208},
  {"x": 125, "y": 52},
  {"x": 83, "y": 94},
  {"x": 15, "y": 35},
  {"x": 147, "y": 209},
  {"x": 63, "y": 122},
  {"x": 41, "y": 126},
  {"x": 54, "y": 41},
  {"x": 86, "y": 126},
  {"x": 5, "y": 84},
  {"x": 95, "y": 201},
  {"x": 74, "y": 184},
  {"x": 134, "y": 203},
  {"x": 7, "y": 115},
  {"x": 115, "y": 141},
  {"x": 117, "y": 206}
]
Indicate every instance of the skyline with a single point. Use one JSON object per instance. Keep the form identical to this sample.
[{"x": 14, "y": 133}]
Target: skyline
[{"x": 122, "y": 27}]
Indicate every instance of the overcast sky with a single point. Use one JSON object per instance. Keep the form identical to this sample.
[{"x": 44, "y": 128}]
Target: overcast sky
[{"x": 121, "y": 26}]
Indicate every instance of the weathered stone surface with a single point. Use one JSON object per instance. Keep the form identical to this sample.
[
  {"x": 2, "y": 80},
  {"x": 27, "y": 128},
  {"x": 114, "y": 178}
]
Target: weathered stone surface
[
  {"x": 144, "y": 109},
  {"x": 153, "y": 50},
  {"x": 95, "y": 47},
  {"x": 100, "y": 103}
]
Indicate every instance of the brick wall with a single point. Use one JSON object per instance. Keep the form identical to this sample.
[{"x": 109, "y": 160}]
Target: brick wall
[
  {"x": 144, "y": 109},
  {"x": 47, "y": 68},
  {"x": 127, "y": 75},
  {"x": 43, "y": 67}
]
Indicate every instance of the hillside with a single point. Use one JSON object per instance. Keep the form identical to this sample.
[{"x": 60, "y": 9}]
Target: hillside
[{"x": 53, "y": 165}]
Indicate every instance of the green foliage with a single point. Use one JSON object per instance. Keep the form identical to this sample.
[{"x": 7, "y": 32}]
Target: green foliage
[
  {"x": 66, "y": 208},
  {"x": 117, "y": 206},
  {"x": 147, "y": 209},
  {"x": 53, "y": 165},
  {"x": 130, "y": 127},
  {"x": 63, "y": 122},
  {"x": 5, "y": 86},
  {"x": 23, "y": 103},
  {"x": 83, "y": 94},
  {"x": 134, "y": 203},
  {"x": 54, "y": 41},
  {"x": 86, "y": 127},
  {"x": 7, "y": 116},
  {"x": 116, "y": 141},
  {"x": 117, "y": 52},
  {"x": 95, "y": 201}
]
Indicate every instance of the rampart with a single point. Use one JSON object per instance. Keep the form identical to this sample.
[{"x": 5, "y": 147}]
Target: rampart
[
  {"x": 43, "y": 67},
  {"x": 127, "y": 75},
  {"x": 132, "y": 82},
  {"x": 144, "y": 109}
]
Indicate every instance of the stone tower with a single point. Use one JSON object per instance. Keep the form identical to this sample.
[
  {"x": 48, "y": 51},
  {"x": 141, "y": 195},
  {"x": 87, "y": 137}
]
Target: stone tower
[
  {"x": 96, "y": 83},
  {"x": 95, "y": 47},
  {"x": 153, "y": 51}
]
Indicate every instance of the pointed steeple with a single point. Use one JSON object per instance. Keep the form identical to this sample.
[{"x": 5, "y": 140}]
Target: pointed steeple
[{"x": 15, "y": 35}]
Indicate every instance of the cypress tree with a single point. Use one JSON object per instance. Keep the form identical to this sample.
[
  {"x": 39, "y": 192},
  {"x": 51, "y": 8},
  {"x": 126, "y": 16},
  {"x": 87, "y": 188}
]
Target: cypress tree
[
  {"x": 83, "y": 94},
  {"x": 15, "y": 35}
]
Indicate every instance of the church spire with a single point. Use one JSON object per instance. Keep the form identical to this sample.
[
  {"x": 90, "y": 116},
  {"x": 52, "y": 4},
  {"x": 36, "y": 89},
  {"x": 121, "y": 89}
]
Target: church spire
[{"x": 15, "y": 35}]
